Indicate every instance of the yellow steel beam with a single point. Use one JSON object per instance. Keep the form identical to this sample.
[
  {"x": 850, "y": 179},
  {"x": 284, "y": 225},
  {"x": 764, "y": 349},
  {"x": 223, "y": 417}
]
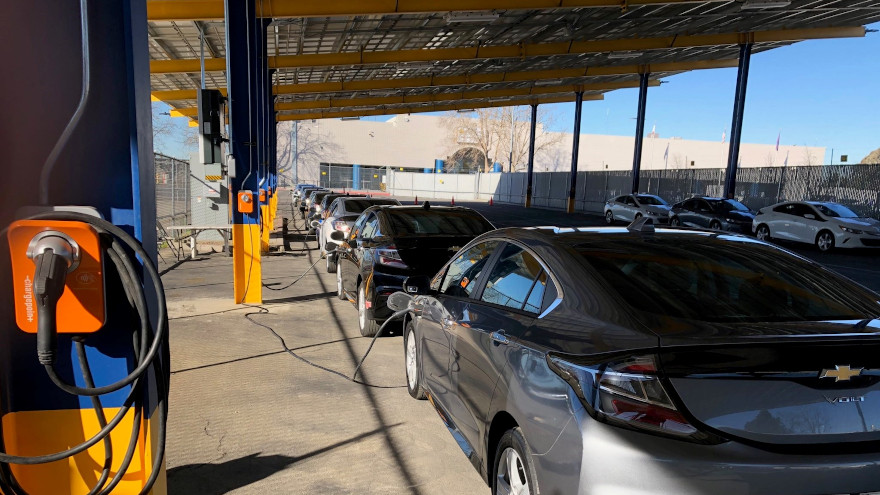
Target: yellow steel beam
[
  {"x": 433, "y": 108},
  {"x": 212, "y": 10},
  {"x": 459, "y": 95},
  {"x": 179, "y": 94},
  {"x": 520, "y": 51},
  {"x": 467, "y": 79}
]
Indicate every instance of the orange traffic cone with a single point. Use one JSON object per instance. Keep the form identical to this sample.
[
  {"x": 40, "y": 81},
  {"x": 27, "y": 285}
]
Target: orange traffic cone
[
  {"x": 416, "y": 201},
  {"x": 491, "y": 202},
  {"x": 453, "y": 201}
]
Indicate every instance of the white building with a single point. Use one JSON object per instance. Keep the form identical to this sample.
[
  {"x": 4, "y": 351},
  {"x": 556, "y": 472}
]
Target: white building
[{"x": 414, "y": 142}]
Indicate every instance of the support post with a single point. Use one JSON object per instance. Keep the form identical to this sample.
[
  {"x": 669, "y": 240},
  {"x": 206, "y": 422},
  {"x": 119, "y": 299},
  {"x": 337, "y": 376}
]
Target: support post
[
  {"x": 640, "y": 131},
  {"x": 578, "y": 102},
  {"x": 242, "y": 67},
  {"x": 742, "y": 79},
  {"x": 531, "y": 170}
]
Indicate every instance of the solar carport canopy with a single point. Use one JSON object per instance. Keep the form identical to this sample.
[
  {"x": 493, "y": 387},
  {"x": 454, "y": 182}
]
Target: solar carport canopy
[{"x": 338, "y": 58}]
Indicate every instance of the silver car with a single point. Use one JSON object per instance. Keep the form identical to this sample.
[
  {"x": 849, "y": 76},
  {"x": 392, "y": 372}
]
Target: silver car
[
  {"x": 602, "y": 361},
  {"x": 630, "y": 207},
  {"x": 827, "y": 225},
  {"x": 341, "y": 215}
]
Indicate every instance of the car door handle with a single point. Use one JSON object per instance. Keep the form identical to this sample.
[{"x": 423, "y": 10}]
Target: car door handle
[{"x": 499, "y": 337}]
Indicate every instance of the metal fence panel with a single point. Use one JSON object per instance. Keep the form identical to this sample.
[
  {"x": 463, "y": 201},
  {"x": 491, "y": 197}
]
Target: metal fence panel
[{"x": 172, "y": 190}]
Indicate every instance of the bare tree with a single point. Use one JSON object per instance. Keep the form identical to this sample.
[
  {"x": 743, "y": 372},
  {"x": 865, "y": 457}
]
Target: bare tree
[
  {"x": 808, "y": 158},
  {"x": 499, "y": 134},
  {"x": 168, "y": 133},
  {"x": 300, "y": 148},
  {"x": 770, "y": 159}
]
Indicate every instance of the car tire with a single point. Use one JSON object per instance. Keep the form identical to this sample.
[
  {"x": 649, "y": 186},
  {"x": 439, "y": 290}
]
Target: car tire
[
  {"x": 825, "y": 241},
  {"x": 637, "y": 217},
  {"x": 331, "y": 263},
  {"x": 675, "y": 222},
  {"x": 513, "y": 471},
  {"x": 763, "y": 233},
  {"x": 411, "y": 364},
  {"x": 339, "y": 292},
  {"x": 367, "y": 325},
  {"x": 715, "y": 225},
  {"x": 609, "y": 217}
]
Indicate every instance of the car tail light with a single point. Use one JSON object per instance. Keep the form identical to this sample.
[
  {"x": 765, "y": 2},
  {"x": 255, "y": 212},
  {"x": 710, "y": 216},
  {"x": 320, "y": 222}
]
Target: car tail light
[
  {"x": 628, "y": 393},
  {"x": 341, "y": 226},
  {"x": 390, "y": 257}
]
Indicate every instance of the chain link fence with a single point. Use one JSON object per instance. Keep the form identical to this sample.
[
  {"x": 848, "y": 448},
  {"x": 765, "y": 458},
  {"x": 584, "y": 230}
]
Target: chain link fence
[
  {"x": 855, "y": 186},
  {"x": 354, "y": 177},
  {"x": 172, "y": 191}
]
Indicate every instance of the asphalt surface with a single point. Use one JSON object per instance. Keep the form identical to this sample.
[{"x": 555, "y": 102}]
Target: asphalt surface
[{"x": 261, "y": 400}]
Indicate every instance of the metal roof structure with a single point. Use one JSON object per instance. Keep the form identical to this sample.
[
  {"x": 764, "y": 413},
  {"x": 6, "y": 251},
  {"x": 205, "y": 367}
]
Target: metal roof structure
[{"x": 337, "y": 58}]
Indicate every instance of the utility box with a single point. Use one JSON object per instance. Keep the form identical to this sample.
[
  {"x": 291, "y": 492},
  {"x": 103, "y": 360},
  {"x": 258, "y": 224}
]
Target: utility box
[
  {"x": 210, "y": 105},
  {"x": 209, "y": 196}
]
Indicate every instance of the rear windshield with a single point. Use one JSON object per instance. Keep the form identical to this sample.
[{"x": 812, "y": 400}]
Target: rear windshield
[
  {"x": 437, "y": 222},
  {"x": 730, "y": 205},
  {"x": 650, "y": 200},
  {"x": 726, "y": 282},
  {"x": 357, "y": 206}
]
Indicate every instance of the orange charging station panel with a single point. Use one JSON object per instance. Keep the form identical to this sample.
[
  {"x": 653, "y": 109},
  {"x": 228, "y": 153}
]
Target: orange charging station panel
[
  {"x": 81, "y": 306},
  {"x": 245, "y": 202}
]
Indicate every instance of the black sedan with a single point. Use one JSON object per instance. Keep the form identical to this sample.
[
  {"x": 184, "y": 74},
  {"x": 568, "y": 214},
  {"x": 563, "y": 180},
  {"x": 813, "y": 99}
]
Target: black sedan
[
  {"x": 388, "y": 244},
  {"x": 713, "y": 213},
  {"x": 603, "y": 360}
]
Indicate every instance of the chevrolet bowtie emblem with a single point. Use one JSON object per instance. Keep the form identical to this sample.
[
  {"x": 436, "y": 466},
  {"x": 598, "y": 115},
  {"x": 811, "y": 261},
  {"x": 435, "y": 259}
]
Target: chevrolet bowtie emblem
[{"x": 840, "y": 373}]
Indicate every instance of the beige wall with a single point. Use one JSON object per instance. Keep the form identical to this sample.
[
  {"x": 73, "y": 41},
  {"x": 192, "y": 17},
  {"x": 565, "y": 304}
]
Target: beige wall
[{"x": 415, "y": 141}]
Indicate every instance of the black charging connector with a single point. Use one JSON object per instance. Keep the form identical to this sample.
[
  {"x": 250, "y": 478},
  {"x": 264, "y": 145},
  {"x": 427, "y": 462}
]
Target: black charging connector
[{"x": 49, "y": 278}]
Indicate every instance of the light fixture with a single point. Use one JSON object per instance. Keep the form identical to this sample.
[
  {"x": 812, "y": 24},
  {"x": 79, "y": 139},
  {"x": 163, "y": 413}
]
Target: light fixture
[
  {"x": 476, "y": 17},
  {"x": 764, "y": 4},
  {"x": 349, "y": 118},
  {"x": 466, "y": 110},
  {"x": 625, "y": 54}
]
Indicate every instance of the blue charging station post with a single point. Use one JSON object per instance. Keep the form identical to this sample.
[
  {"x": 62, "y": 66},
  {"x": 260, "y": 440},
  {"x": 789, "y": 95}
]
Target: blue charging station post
[
  {"x": 108, "y": 165},
  {"x": 242, "y": 67}
]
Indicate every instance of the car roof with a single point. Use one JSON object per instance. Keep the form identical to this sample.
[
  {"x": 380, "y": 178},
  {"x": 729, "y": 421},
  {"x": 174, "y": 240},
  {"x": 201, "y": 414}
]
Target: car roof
[{"x": 574, "y": 236}]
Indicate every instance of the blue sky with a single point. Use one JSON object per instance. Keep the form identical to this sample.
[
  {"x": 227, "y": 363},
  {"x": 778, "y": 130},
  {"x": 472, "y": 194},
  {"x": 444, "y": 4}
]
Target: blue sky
[{"x": 815, "y": 93}]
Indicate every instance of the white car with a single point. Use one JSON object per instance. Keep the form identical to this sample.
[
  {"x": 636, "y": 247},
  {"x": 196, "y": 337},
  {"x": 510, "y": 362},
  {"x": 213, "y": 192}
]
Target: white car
[
  {"x": 827, "y": 225},
  {"x": 341, "y": 215},
  {"x": 630, "y": 207}
]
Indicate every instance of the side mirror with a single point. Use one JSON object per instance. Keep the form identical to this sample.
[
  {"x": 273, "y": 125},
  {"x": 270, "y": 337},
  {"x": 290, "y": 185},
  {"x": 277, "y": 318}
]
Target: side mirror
[
  {"x": 399, "y": 301},
  {"x": 810, "y": 216},
  {"x": 416, "y": 285},
  {"x": 337, "y": 235}
]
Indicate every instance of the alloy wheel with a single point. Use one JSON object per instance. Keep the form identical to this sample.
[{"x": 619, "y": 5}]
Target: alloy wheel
[
  {"x": 412, "y": 371},
  {"x": 609, "y": 217},
  {"x": 512, "y": 478},
  {"x": 825, "y": 241}
]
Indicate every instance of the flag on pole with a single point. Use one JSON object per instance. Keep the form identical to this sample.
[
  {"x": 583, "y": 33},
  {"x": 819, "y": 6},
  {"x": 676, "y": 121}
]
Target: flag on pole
[
  {"x": 666, "y": 153},
  {"x": 723, "y": 135},
  {"x": 777, "y": 140}
]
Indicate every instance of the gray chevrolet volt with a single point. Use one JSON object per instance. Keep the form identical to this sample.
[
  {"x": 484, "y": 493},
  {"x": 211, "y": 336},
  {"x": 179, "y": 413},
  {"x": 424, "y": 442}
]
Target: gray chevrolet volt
[{"x": 614, "y": 361}]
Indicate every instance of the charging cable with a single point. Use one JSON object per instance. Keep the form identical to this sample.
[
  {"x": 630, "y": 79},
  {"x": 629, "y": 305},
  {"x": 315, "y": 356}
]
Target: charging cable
[{"x": 149, "y": 346}]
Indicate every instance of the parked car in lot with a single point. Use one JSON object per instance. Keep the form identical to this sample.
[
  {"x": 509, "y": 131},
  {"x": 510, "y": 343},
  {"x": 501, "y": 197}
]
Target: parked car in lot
[
  {"x": 712, "y": 213},
  {"x": 390, "y": 243},
  {"x": 630, "y": 207},
  {"x": 309, "y": 196},
  {"x": 317, "y": 211},
  {"x": 300, "y": 196},
  {"x": 341, "y": 215},
  {"x": 827, "y": 225},
  {"x": 299, "y": 189},
  {"x": 598, "y": 360},
  {"x": 313, "y": 204}
]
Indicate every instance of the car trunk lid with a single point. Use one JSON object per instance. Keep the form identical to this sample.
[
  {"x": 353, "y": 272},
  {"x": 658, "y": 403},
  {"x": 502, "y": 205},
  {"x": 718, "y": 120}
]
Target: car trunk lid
[{"x": 427, "y": 254}]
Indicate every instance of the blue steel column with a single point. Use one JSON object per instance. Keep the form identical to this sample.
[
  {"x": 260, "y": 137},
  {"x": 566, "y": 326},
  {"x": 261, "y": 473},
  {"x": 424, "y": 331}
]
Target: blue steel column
[
  {"x": 739, "y": 102},
  {"x": 531, "y": 169},
  {"x": 242, "y": 69},
  {"x": 578, "y": 102},
  {"x": 107, "y": 164},
  {"x": 640, "y": 131}
]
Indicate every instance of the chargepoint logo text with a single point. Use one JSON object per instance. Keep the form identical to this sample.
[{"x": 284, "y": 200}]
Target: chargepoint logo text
[{"x": 29, "y": 299}]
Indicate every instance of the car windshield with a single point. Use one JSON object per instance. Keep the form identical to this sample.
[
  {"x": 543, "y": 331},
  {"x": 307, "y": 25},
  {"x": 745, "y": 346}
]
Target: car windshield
[
  {"x": 723, "y": 281},
  {"x": 647, "y": 199},
  {"x": 437, "y": 222},
  {"x": 836, "y": 210},
  {"x": 359, "y": 205},
  {"x": 730, "y": 205}
]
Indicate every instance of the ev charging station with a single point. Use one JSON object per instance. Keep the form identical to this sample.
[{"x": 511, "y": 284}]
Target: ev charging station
[{"x": 83, "y": 328}]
